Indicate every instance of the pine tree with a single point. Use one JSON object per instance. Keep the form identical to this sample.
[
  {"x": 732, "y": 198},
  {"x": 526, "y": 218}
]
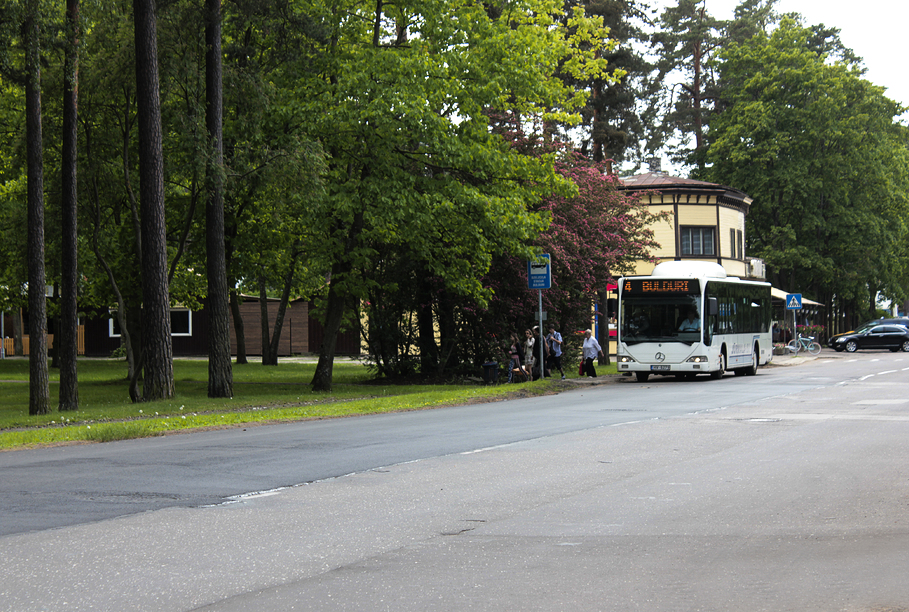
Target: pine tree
[
  {"x": 39, "y": 391},
  {"x": 67, "y": 348},
  {"x": 157, "y": 350},
  {"x": 220, "y": 374}
]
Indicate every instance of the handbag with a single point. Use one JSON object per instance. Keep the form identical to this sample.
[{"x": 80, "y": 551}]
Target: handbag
[{"x": 581, "y": 369}]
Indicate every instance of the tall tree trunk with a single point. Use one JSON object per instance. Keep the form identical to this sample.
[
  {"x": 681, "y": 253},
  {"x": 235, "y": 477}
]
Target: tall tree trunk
[
  {"x": 335, "y": 308},
  {"x": 66, "y": 342},
  {"x": 263, "y": 317},
  {"x": 131, "y": 323},
  {"x": 272, "y": 356},
  {"x": 157, "y": 347},
  {"x": 18, "y": 345},
  {"x": 230, "y": 234},
  {"x": 126, "y": 338},
  {"x": 39, "y": 387},
  {"x": 53, "y": 330},
  {"x": 220, "y": 374},
  {"x": 239, "y": 329}
]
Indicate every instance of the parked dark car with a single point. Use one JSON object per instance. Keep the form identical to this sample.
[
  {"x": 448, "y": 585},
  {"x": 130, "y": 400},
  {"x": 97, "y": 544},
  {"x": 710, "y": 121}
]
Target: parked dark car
[
  {"x": 893, "y": 337},
  {"x": 833, "y": 341}
]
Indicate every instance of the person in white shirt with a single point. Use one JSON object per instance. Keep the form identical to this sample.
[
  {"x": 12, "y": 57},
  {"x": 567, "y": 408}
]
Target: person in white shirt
[
  {"x": 591, "y": 351},
  {"x": 692, "y": 323}
]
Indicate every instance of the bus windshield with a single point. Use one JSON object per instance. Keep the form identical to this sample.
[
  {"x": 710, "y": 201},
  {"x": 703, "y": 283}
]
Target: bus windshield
[{"x": 668, "y": 318}]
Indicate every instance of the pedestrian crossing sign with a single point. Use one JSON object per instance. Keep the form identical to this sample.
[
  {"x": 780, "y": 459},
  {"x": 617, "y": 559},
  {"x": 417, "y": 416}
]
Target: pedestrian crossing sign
[{"x": 794, "y": 301}]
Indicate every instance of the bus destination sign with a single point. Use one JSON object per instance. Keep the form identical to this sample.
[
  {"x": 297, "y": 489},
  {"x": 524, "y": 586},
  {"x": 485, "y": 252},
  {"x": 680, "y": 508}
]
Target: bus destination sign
[{"x": 651, "y": 285}]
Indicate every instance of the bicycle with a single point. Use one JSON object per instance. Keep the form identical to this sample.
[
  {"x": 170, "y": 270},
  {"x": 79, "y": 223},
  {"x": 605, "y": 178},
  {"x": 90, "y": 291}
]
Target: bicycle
[{"x": 804, "y": 343}]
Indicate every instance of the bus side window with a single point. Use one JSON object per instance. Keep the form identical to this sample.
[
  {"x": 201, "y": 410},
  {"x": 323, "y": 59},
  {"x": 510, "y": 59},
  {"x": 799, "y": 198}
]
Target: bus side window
[{"x": 710, "y": 318}]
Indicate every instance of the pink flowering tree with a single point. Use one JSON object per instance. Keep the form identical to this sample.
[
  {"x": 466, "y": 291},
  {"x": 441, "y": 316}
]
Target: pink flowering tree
[{"x": 593, "y": 236}]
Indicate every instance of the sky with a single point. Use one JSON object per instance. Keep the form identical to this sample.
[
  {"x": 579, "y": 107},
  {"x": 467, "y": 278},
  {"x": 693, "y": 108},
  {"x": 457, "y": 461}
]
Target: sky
[{"x": 873, "y": 29}]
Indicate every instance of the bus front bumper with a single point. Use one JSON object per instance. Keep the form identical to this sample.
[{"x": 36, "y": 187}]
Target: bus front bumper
[{"x": 694, "y": 365}]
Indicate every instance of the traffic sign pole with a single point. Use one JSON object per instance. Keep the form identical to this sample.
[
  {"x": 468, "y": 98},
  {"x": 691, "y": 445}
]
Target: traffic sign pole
[
  {"x": 539, "y": 277},
  {"x": 793, "y": 303},
  {"x": 542, "y": 363}
]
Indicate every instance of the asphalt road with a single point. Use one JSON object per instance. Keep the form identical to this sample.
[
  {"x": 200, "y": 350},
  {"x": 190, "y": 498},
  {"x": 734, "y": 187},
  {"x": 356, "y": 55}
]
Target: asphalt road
[
  {"x": 71, "y": 485},
  {"x": 784, "y": 491}
]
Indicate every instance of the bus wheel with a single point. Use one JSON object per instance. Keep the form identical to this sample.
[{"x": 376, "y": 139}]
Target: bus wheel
[
  {"x": 719, "y": 373},
  {"x": 642, "y": 376},
  {"x": 752, "y": 370}
]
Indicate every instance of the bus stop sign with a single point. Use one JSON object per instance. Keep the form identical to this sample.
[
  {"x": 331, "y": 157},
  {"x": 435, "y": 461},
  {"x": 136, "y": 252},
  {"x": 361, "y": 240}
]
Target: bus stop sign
[
  {"x": 793, "y": 301},
  {"x": 539, "y": 275}
]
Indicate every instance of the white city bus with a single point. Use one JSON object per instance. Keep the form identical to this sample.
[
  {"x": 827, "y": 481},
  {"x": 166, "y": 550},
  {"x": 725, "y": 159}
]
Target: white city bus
[{"x": 689, "y": 318}]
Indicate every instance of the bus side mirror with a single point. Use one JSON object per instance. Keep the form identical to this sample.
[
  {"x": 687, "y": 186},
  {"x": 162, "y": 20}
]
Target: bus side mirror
[{"x": 712, "y": 308}]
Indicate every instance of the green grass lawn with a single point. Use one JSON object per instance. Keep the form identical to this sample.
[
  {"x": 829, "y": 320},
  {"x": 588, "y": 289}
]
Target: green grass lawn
[{"x": 261, "y": 394}]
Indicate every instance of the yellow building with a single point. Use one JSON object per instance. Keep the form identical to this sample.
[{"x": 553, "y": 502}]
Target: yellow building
[{"x": 706, "y": 222}]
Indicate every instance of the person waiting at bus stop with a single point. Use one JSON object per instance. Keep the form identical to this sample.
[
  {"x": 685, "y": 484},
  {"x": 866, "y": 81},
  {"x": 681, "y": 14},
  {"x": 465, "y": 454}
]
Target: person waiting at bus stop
[
  {"x": 692, "y": 323},
  {"x": 555, "y": 350},
  {"x": 591, "y": 351}
]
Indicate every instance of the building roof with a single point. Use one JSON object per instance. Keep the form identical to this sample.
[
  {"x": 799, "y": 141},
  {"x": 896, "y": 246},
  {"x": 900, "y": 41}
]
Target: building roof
[
  {"x": 662, "y": 182},
  {"x": 661, "y": 179}
]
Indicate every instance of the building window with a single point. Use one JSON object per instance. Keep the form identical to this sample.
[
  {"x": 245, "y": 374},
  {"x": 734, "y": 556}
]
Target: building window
[
  {"x": 698, "y": 240},
  {"x": 181, "y": 323},
  {"x": 736, "y": 244}
]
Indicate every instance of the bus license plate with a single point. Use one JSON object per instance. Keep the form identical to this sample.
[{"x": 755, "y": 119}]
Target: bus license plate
[{"x": 659, "y": 368}]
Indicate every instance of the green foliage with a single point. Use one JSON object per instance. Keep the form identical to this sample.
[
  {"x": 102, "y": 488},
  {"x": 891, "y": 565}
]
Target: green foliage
[
  {"x": 612, "y": 117},
  {"x": 413, "y": 161},
  {"x": 752, "y": 17},
  {"x": 595, "y": 232},
  {"x": 819, "y": 150},
  {"x": 358, "y": 140},
  {"x": 402, "y": 110},
  {"x": 686, "y": 39}
]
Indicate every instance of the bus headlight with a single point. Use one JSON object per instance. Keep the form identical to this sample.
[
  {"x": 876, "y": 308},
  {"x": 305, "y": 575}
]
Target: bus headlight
[
  {"x": 697, "y": 359},
  {"x": 625, "y": 359}
]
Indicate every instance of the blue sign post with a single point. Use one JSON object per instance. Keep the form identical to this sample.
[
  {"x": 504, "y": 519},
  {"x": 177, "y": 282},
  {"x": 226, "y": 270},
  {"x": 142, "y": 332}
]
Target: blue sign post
[
  {"x": 793, "y": 303},
  {"x": 539, "y": 276},
  {"x": 539, "y": 273}
]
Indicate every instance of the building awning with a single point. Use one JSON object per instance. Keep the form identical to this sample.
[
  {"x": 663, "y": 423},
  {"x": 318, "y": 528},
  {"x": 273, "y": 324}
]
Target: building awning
[{"x": 779, "y": 294}]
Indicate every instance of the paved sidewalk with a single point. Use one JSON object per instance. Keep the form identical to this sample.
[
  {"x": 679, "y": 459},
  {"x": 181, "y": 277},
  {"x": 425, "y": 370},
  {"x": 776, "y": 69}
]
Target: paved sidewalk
[
  {"x": 800, "y": 358},
  {"x": 778, "y": 360}
]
